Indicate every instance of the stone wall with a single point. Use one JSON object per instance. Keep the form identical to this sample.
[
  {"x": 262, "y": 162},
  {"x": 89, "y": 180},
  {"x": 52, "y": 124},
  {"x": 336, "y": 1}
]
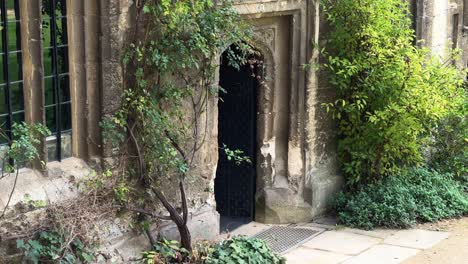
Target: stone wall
[
  {"x": 297, "y": 167},
  {"x": 440, "y": 24},
  {"x": 297, "y": 170},
  {"x": 296, "y": 161}
]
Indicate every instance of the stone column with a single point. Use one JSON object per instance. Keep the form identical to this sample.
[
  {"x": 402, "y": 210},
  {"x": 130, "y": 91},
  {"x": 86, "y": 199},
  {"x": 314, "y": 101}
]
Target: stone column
[
  {"x": 76, "y": 50},
  {"x": 93, "y": 91},
  {"x": 33, "y": 73}
]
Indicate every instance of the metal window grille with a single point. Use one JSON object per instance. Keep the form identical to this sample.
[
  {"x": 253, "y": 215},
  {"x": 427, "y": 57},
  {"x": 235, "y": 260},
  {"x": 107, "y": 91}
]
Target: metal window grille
[
  {"x": 56, "y": 73},
  {"x": 11, "y": 79}
]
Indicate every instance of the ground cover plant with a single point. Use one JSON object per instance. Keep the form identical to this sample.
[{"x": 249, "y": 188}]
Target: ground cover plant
[
  {"x": 234, "y": 250},
  {"x": 52, "y": 247},
  {"x": 418, "y": 195}
]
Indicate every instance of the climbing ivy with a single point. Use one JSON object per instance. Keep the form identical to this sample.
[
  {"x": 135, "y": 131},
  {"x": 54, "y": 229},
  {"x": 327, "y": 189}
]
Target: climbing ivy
[
  {"x": 390, "y": 93},
  {"x": 169, "y": 70}
]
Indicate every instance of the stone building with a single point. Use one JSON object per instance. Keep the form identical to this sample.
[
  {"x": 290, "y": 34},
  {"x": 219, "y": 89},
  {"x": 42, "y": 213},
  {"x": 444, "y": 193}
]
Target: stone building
[{"x": 63, "y": 68}]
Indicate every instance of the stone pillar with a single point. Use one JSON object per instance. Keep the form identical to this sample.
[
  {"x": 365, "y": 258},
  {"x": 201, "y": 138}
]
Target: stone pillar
[
  {"x": 33, "y": 74},
  {"x": 93, "y": 91},
  {"x": 76, "y": 50},
  {"x": 116, "y": 19},
  {"x": 323, "y": 179}
]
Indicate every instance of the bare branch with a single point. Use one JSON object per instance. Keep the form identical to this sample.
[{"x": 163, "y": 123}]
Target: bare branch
[
  {"x": 172, "y": 211},
  {"x": 145, "y": 212},
  {"x": 11, "y": 193},
  {"x": 183, "y": 197}
]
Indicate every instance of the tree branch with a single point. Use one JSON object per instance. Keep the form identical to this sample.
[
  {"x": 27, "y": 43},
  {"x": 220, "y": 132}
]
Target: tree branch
[
  {"x": 141, "y": 163},
  {"x": 183, "y": 197},
  {"x": 176, "y": 146},
  {"x": 172, "y": 211},
  {"x": 11, "y": 193},
  {"x": 145, "y": 212}
]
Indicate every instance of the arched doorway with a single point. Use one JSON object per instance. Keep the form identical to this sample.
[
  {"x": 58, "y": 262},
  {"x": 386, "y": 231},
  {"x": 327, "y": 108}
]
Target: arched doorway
[{"x": 237, "y": 130}]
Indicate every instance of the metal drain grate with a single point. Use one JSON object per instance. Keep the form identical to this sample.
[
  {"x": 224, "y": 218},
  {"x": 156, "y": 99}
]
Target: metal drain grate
[{"x": 284, "y": 238}]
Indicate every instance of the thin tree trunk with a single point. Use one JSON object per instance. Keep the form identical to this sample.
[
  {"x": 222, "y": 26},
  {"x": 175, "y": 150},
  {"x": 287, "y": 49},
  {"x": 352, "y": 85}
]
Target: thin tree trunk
[{"x": 185, "y": 237}]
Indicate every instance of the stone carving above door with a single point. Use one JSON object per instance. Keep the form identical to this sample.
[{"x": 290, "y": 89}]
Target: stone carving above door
[{"x": 267, "y": 36}]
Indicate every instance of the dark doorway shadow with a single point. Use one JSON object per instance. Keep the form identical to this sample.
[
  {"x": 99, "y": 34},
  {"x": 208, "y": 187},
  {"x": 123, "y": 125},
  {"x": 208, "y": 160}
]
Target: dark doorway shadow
[{"x": 237, "y": 108}]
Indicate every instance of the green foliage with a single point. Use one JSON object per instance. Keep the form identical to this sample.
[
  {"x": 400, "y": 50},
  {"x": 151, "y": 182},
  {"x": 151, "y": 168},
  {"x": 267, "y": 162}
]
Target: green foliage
[
  {"x": 169, "y": 83},
  {"x": 449, "y": 144},
  {"x": 236, "y": 155},
  {"x": 235, "y": 250},
  {"x": 400, "y": 201},
  {"x": 51, "y": 247},
  {"x": 243, "y": 250},
  {"x": 390, "y": 94},
  {"x": 34, "y": 204},
  {"x": 172, "y": 63},
  {"x": 23, "y": 147},
  {"x": 166, "y": 251}
]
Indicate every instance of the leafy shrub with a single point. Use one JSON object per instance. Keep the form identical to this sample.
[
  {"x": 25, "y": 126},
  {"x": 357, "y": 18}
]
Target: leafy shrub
[
  {"x": 449, "y": 147},
  {"x": 237, "y": 250},
  {"x": 168, "y": 251},
  {"x": 51, "y": 247},
  {"x": 401, "y": 201},
  {"x": 243, "y": 250},
  {"x": 390, "y": 93}
]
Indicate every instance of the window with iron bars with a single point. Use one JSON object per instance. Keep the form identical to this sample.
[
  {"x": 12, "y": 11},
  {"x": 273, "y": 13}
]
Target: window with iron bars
[
  {"x": 56, "y": 78},
  {"x": 11, "y": 74},
  {"x": 57, "y": 101}
]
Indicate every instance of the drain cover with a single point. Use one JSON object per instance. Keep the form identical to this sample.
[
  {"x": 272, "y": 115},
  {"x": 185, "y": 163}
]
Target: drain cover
[{"x": 284, "y": 238}]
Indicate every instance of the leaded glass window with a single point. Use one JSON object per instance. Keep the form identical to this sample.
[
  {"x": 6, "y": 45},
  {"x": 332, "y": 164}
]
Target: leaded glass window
[
  {"x": 56, "y": 75},
  {"x": 11, "y": 77}
]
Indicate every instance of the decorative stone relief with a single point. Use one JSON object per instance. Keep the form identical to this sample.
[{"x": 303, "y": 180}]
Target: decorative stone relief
[{"x": 267, "y": 36}]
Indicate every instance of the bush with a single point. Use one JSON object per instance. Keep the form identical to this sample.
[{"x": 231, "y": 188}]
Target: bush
[
  {"x": 243, "y": 250},
  {"x": 235, "y": 250},
  {"x": 401, "y": 201},
  {"x": 449, "y": 147},
  {"x": 390, "y": 93}
]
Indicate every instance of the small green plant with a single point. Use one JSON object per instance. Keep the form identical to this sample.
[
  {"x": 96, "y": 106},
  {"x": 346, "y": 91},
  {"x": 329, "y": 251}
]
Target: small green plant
[
  {"x": 243, "y": 250},
  {"x": 166, "y": 251},
  {"x": 51, "y": 247},
  {"x": 235, "y": 250},
  {"x": 21, "y": 150},
  {"x": 418, "y": 195},
  {"x": 236, "y": 155},
  {"x": 35, "y": 204}
]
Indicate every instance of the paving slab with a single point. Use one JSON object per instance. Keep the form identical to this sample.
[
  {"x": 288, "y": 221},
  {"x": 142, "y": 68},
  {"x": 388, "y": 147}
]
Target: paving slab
[
  {"x": 377, "y": 233},
  {"x": 303, "y": 255},
  {"x": 342, "y": 242},
  {"x": 383, "y": 254},
  {"x": 416, "y": 238}
]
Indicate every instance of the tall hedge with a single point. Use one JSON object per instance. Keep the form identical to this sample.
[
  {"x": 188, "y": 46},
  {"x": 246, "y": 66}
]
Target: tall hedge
[{"x": 390, "y": 93}]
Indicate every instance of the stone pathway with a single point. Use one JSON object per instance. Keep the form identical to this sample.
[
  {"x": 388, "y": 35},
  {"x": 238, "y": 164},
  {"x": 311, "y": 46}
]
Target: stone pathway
[{"x": 353, "y": 246}]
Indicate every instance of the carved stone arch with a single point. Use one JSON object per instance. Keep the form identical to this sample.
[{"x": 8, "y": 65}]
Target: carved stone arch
[
  {"x": 266, "y": 88},
  {"x": 264, "y": 45},
  {"x": 263, "y": 52}
]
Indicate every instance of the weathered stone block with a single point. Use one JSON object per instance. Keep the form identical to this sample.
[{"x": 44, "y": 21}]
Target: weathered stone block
[{"x": 281, "y": 205}]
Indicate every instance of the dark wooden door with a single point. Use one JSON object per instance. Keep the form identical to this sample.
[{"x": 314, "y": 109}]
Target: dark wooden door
[{"x": 235, "y": 184}]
